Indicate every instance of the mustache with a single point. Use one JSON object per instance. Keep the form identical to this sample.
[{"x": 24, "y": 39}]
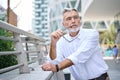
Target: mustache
[{"x": 72, "y": 25}]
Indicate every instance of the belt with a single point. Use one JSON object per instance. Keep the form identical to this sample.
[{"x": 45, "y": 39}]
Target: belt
[{"x": 102, "y": 77}]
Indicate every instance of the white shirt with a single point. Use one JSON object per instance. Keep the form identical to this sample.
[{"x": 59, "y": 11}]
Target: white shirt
[{"x": 85, "y": 53}]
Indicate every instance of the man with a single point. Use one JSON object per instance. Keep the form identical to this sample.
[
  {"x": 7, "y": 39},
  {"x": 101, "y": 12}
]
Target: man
[
  {"x": 77, "y": 50},
  {"x": 115, "y": 53}
]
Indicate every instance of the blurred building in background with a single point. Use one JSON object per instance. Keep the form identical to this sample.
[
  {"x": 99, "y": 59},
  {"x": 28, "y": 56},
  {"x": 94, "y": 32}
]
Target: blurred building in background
[
  {"x": 12, "y": 16},
  {"x": 57, "y": 6},
  {"x": 40, "y": 23},
  {"x": 48, "y": 14}
]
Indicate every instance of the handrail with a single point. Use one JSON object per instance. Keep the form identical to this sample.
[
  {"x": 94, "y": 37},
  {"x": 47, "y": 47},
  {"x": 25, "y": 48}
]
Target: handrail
[
  {"x": 8, "y": 38},
  {"x": 30, "y": 40},
  {"x": 12, "y": 28},
  {"x": 32, "y": 51},
  {"x": 18, "y": 40},
  {"x": 9, "y": 52},
  {"x": 21, "y": 53},
  {"x": 10, "y": 68}
]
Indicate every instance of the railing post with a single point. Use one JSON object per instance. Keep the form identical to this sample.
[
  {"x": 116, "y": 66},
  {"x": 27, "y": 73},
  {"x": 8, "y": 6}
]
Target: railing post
[
  {"x": 40, "y": 53},
  {"x": 22, "y": 58}
]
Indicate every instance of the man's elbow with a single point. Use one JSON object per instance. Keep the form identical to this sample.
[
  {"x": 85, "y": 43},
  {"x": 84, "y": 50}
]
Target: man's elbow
[{"x": 52, "y": 57}]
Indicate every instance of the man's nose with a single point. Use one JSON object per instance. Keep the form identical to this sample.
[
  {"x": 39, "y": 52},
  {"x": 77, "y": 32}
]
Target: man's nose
[{"x": 73, "y": 20}]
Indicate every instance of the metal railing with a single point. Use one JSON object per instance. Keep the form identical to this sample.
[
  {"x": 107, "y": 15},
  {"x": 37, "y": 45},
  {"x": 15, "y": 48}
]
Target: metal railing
[{"x": 20, "y": 52}]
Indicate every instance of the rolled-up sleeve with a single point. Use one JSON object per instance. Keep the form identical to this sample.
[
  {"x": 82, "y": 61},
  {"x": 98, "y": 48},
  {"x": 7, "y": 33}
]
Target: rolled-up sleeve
[{"x": 86, "y": 49}]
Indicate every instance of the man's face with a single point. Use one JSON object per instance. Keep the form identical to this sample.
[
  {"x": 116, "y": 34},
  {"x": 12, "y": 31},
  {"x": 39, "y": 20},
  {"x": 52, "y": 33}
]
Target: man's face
[{"x": 71, "y": 20}]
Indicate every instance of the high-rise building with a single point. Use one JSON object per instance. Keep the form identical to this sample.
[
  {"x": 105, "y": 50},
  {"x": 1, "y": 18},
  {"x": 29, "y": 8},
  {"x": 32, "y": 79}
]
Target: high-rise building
[{"x": 40, "y": 20}]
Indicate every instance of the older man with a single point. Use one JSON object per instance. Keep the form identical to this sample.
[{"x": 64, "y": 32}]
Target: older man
[{"x": 77, "y": 50}]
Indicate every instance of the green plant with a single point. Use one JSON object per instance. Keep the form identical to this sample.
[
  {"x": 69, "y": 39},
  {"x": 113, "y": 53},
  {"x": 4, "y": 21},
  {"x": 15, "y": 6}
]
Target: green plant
[
  {"x": 108, "y": 36},
  {"x": 6, "y": 60}
]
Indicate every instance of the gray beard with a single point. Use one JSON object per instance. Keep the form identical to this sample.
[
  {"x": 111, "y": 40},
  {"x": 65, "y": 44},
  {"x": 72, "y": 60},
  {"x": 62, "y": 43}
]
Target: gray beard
[{"x": 73, "y": 30}]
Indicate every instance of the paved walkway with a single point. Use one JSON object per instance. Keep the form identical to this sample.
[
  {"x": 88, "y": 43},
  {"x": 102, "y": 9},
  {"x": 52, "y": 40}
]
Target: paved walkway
[
  {"x": 114, "y": 72},
  {"x": 114, "y": 69}
]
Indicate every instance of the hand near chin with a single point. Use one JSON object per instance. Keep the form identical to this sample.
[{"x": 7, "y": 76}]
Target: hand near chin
[{"x": 56, "y": 35}]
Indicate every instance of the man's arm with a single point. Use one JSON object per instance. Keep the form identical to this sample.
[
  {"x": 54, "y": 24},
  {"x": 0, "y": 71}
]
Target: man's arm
[
  {"x": 52, "y": 52},
  {"x": 55, "y": 36},
  {"x": 64, "y": 64},
  {"x": 52, "y": 67}
]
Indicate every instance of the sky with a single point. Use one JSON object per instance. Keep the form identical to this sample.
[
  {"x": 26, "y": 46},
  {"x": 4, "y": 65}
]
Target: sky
[{"x": 23, "y": 9}]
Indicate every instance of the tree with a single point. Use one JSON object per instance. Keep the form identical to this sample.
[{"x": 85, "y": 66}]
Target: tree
[
  {"x": 108, "y": 36},
  {"x": 6, "y": 60}
]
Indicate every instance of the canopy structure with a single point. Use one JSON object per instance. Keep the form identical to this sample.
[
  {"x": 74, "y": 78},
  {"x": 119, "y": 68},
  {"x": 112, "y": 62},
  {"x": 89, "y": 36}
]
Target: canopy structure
[{"x": 102, "y": 10}]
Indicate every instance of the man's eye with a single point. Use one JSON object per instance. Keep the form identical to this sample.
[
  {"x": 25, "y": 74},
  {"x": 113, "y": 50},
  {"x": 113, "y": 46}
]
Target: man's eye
[
  {"x": 69, "y": 18},
  {"x": 76, "y": 17}
]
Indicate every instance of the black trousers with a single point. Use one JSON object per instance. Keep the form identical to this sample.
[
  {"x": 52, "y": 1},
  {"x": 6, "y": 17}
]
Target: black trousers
[{"x": 102, "y": 77}]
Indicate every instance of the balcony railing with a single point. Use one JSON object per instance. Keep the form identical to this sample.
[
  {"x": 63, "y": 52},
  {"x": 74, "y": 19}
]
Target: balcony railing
[{"x": 21, "y": 53}]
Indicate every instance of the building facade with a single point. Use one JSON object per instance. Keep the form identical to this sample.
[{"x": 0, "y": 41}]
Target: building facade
[
  {"x": 40, "y": 20},
  {"x": 48, "y": 16},
  {"x": 81, "y": 5},
  {"x": 4, "y": 16}
]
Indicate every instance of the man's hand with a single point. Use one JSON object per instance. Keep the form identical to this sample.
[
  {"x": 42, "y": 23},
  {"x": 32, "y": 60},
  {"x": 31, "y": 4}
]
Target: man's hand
[
  {"x": 49, "y": 67},
  {"x": 55, "y": 36}
]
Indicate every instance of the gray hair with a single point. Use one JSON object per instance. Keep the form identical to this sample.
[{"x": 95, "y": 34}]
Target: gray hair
[{"x": 70, "y": 9}]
